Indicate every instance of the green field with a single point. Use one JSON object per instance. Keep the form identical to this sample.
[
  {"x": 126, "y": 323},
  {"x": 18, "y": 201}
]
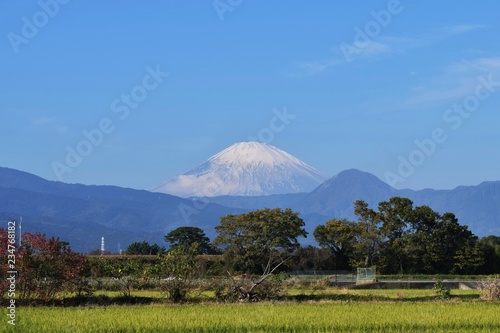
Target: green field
[{"x": 341, "y": 311}]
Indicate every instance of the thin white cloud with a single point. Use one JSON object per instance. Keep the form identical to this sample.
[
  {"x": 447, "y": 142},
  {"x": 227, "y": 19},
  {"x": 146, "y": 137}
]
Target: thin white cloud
[
  {"x": 461, "y": 29},
  {"x": 427, "y": 39},
  {"x": 314, "y": 67},
  {"x": 375, "y": 48},
  {"x": 393, "y": 44},
  {"x": 385, "y": 45},
  {"x": 63, "y": 129},
  {"x": 41, "y": 120},
  {"x": 46, "y": 122},
  {"x": 478, "y": 65},
  {"x": 449, "y": 85},
  {"x": 455, "y": 82}
]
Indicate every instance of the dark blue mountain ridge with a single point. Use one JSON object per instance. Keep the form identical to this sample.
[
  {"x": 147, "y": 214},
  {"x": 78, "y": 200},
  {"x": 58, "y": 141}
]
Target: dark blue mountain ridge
[
  {"x": 335, "y": 196},
  {"x": 82, "y": 214},
  {"x": 121, "y": 215},
  {"x": 476, "y": 206}
]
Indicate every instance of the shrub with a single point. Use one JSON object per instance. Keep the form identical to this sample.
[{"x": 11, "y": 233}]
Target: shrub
[
  {"x": 224, "y": 290},
  {"x": 272, "y": 287},
  {"x": 441, "y": 290},
  {"x": 181, "y": 268},
  {"x": 47, "y": 265},
  {"x": 490, "y": 289}
]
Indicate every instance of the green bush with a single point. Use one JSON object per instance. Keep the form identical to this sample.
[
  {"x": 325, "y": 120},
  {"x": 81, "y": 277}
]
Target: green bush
[{"x": 441, "y": 290}]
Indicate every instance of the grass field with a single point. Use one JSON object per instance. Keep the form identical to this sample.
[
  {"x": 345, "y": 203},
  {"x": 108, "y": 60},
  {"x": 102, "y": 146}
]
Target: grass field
[
  {"x": 389, "y": 293},
  {"x": 344, "y": 311}
]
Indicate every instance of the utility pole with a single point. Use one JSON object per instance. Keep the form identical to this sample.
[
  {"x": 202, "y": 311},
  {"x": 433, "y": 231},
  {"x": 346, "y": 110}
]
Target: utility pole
[{"x": 102, "y": 246}]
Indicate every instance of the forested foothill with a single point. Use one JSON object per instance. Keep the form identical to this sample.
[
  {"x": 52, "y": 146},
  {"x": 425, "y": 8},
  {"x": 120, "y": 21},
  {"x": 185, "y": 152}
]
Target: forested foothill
[{"x": 255, "y": 256}]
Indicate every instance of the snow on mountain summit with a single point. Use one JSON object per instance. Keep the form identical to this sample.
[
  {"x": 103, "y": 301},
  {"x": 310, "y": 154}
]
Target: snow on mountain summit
[{"x": 245, "y": 169}]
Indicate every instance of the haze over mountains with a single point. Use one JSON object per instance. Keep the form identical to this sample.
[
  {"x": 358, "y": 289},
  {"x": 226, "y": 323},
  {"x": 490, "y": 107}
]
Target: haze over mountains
[{"x": 82, "y": 214}]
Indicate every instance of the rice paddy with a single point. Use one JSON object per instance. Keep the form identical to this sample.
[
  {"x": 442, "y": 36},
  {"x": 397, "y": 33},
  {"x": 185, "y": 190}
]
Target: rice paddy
[{"x": 344, "y": 311}]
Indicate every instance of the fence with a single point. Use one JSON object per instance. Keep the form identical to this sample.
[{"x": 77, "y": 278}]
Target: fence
[
  {"x": 336, "y": 278},
  {"x": 366, "y": 275}
]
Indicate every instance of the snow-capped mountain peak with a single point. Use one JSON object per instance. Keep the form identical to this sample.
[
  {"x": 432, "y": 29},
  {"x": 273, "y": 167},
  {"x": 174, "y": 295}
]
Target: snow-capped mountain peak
[{"x": 245, "y": 168}]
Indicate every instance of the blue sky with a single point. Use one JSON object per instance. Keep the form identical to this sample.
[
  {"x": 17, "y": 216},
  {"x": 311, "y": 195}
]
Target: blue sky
[{"x": 406, "y": 90}]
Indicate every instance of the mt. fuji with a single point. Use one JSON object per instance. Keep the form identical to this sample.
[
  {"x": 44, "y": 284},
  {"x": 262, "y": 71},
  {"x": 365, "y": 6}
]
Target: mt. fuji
[{"x": 245, "y": 169}]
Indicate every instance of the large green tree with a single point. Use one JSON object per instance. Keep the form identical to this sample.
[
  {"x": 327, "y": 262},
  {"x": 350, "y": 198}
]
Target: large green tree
[
  {"x": 354, "y": 244},
  {"x": 400, "y": 238},
  {"x": 186, "y": 237},
  {"x": 457, "y": 247},
  {"x": 259, "y": 242},
  {"x": 255, "y": 241},
  {"x": 395, "y": 215},
  {"x": 420, "y": 244},
  {"x": 338, "y": 236},
  {"x": 417, "y": 239},
  {"x": 369, "y": 236}
]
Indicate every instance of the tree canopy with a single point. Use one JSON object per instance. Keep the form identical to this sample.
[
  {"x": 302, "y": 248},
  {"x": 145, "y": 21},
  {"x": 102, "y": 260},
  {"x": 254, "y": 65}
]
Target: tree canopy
[
  {"x": 490, "y": 246},
  {"x": 186, "y": 237},
  {"x": 45, "y": 266},
  {"x": 259, "y": 239},
  {"x": 338, "y": 237},
  {"x": 144, "y": 248},
  {"x": 401, "y": 238}
]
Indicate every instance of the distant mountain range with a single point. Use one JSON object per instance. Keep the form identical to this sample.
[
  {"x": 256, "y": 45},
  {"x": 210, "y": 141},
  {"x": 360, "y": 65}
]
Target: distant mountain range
[
  {"x": 82, "y": 214},
  {"x": 476, "y": 206}
]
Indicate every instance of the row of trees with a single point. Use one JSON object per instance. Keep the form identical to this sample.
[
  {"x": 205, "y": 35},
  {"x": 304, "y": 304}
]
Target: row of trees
[
  {"x": 180, "y": 237},
  {"x": 397, "y": 238},
  {"x": 402, "y": 239}
]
